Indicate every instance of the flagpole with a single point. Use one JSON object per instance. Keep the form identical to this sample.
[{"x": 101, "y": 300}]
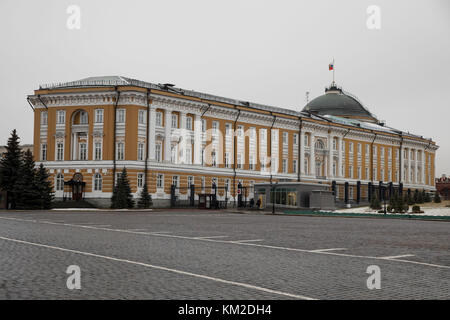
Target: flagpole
[{"x": 333, "y": 70}]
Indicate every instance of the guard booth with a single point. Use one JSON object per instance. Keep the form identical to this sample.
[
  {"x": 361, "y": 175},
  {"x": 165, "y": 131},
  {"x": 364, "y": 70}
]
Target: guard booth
[
  {"x": 186, "y": 197},
  {"x": 74, "y": 188}
]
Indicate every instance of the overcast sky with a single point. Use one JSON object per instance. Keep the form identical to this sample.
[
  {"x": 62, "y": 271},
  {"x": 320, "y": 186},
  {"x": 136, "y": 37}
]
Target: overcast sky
[{"x": 270, "y": 52}]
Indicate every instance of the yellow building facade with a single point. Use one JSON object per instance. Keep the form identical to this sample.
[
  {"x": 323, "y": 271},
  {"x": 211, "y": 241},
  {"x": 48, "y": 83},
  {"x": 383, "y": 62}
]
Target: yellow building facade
[{"x": 89, "y": 130}]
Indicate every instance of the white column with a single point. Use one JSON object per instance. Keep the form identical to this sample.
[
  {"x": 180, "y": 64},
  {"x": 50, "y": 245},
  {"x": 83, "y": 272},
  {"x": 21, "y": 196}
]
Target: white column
[
  {"x": 423, "y": 166},
  {"x": 152, "y": 133},
  {"x": 416, "y": 177},
  {"x": 330, "y": 156},
  {"x": 302, "y": 153},
  {"x": 197, "y": 138},
  {"x": 167, "y": 134},
  {"x": 339, "y": 165},
  {"x": 184, "y": 137},
  {"x": 312, "y": 157},
  {"x": 408, "y": 170}
]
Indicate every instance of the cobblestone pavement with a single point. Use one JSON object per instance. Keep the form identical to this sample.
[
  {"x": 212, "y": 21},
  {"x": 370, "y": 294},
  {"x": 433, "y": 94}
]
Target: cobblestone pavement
[{"x": 177, "y": 254}]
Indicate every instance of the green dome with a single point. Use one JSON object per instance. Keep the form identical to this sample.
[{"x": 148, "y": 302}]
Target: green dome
[{"x": 336, "y": 102}]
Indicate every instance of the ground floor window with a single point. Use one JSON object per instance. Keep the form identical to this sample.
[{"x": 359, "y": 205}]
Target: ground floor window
[
  {"x": 98, "y": 182},
  {"x": 284, "y": 196}
]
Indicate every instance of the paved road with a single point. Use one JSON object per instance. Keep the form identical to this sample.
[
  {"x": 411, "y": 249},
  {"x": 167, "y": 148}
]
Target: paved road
[{"x": 211, "y": 255}]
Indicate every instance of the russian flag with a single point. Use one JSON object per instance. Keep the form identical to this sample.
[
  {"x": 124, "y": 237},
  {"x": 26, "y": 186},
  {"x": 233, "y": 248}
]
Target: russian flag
[{"x": 330, "y": 66}]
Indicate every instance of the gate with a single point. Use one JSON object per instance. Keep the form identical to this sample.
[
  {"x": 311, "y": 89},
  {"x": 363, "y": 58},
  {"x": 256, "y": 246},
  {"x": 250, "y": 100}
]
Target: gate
[{"x": 186, "y": 197}]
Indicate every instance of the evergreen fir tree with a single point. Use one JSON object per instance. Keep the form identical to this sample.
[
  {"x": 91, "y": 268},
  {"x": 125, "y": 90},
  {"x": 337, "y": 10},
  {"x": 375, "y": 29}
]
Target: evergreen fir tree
[
  {"x": 409, "y": 199},
  {"x": 25, "y": 187},
  {"x": 420, "y": 198},
  {"x": 9, "y": 169},
  {"x": 44, "y": 187},
  {"x": 416, "y": 196},
  {"x": 427, "y": 197},
  {"x": 122, "y": 197},
  {"x": 145, "y": 199},
  {"x": 437, "y": 198}
]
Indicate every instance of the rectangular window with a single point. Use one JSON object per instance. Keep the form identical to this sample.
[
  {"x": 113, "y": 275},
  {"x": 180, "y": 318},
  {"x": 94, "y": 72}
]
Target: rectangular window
[
  {"x": 140, "y": 151},
  {"x": 140, "y": 180},
  {"x": 188, "y": 156},
  {"x": 350, "y": 171},
  {"x": 60, "y": 151},
  {"x": 359, "y": 148},
  {"x": 284, "y": 166},
  {"x": 44, "y": 152},
  {"x": 213, "y": 159},
  {"x": 174, "y": 120},
  {"x": 350, "y": 147},
  {"x": 44, "y": 118},
  {"x": 158, "y": 119},
  {"x": 240, "y": 131},
  {"x": 285, "y": 138},
  {"x": 227, "y": 129},
  {"x": 61, "y": 117},
  {"x": 295, "y": 138},
  {"x": 98, "y": 151},
  {"x": 334, "y": 169},
  {"x": 120, "y": 153},
  {"x": 367, "y": 150},
  {"x": 120, "y": 116},
  {"x": 374, "y": 150},
  {"x": 141, "y": 117},
  {"x": 334, "y": 144},
  {"x": 295, "y": 165},
  {"x": 389, "y": 152},
  {"x": 158, "y": 152},
  {"x": 98, "y": 115},
  {"x": 366, "y": 176},
  {"x": 306, "y": 142},
  {"x": 382, "y": 152},
  {"x": 83, "y": 117},
  {"x": 215, "y": 126},
  {"x": 359, "y": 173},
  {"x": 83, "y": 151},
  {"x": 160, "y": 181},
  {"x": 203, "y": 125},
  {"x": 175, "y": 180},
  {"x": 188, "y": 123}
]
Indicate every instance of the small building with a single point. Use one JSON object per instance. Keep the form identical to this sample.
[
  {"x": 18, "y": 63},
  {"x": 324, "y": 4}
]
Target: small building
[
  {"x": 291, "y": 195},
  {"x": 443, "y": 187}
]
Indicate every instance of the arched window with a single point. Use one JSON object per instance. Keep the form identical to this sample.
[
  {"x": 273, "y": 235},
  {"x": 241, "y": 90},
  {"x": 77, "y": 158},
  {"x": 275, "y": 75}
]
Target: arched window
[
  {"x": 98, "y": 182},
  {"x": 319, "y": 144},
  {"x": 59, "y": 182}
]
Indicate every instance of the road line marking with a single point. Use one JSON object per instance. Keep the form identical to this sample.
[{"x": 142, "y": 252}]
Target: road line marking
[
  {"x": 237, "y": 243},
  {"x": 158, "y": 232},
  {"x": 395, "y": 257},
  {"x": 244, "y": 241},
  {"x": 240, "y": 284},
  {"x": 211, "y": 237},
  {"x": 136, "y": 229},
  {"x": 324, "y": 250}
]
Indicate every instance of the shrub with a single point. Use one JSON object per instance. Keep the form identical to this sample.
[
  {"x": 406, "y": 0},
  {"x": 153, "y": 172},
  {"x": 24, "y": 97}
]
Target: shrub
[
  {"x": 375, "y": 204},
  {"x": 437, "y": 198},
  {"x": 416, "y": 209},
  {"x": 427, "y": 197}
]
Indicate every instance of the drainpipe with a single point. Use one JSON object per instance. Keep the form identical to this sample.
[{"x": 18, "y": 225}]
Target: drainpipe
[
  {"x": 39, "y": 97},
  {"x": 234, "y": 156},
  {"x": 28, "y": 100},
  {"x": 114, "y": 137},
  {"x": 148, "y": 128}
]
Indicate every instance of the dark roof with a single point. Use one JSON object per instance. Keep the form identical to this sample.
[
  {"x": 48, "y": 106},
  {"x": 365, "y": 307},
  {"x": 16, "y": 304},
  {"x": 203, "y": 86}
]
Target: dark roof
[{"x": 336, "y": 102}]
